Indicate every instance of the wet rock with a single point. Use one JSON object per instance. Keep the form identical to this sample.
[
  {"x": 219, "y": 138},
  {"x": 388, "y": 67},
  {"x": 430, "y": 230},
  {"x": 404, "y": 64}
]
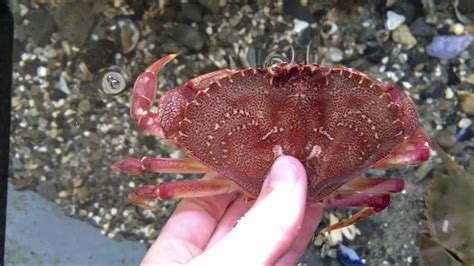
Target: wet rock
[
  {"x": 403, "y": 35},
  {"x": 335, "y": 54},
  {"x": 212, "y": 5},
  {"x": 422, "y": 29},
  {"x": 408, "y": 9},
  {"x": 74, "y": 20},
  {"x": 300, "y": 25},
  {"x": 466, "y": 102},
  {"x": 393, "y": 20},
  {"x": 448, "y": 47},
  {"x": 188, "y": 36},
  {"x": 191, "y": 11},
  {"x": 103, "y": 49},
  {"x": 84, "y": 106},
  {"x": 40, "y": 33},
  {"x": 457, "y": 29},
  {"x": 47, "y": 190},
  {"x": 445, "y": 139},
  {"x": 464, "y": 123},
  {"x": 78, "y": 181},
  {"x": 295, "y": 9},
  {"x": 82, "y": 192}
]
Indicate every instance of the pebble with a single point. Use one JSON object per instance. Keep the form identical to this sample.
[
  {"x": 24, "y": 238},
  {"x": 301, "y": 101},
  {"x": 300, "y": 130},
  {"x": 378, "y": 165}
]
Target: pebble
[
  {"x": 78, "y": 181},
  {"x": 393, "y": 20},
  {"x": 335, "y": 54},
  {"x": 47, "y": 190},
  {"x": 445, "y": 139},
  {"x": 470, "y": 79},
  {"x": 422, "y": 29},
  {"x": 448, "y": 93},
  {"x": 403, "y": 35},
  {"x": 448, "y": 46},
  {"x": 82, "y": 213},
  {"x": 466, "y": 102},
  {"x": 300, "y": 25},
  {"x": 457, "y": 29},
  {"x": 40, "y": 33},
  {"x": 212, "y": 5},
  {"x": 464, "y": 122},
  {"x": 187, "y": 36},
  {"x": 191, "y": 11},
  {"x": 53, "y": 133},
  {"x": 84, "y": 106},
  {"x": 82, "y": 193},
  {"x": 74, "y": 21},
  {"x": 63, "y": 194},
  {"x": 42, "y": 71}
]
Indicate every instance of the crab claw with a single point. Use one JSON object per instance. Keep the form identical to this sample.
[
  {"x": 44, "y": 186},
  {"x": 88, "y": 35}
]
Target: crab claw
[
  {"x": 412, "y": 151},
  {"x": 144, "y": 92}
]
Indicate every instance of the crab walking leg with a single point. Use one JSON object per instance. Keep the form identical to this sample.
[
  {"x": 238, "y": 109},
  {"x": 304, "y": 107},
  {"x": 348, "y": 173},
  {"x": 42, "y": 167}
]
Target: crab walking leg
[
  {"x": 180, "y": 189},
  {"x": 373, "y": 194},
  {"x": 133, "y": 166},
  {"x": 376, "y": 202},
  {"x": 373, "y": 185}
]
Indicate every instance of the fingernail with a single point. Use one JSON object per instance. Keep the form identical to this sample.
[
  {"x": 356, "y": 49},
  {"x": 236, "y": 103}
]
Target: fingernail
[{"x": 284, "y": 172}]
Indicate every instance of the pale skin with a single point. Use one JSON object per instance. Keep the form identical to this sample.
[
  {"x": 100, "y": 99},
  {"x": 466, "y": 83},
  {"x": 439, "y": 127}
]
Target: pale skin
[{"x": 218, "y": 230}]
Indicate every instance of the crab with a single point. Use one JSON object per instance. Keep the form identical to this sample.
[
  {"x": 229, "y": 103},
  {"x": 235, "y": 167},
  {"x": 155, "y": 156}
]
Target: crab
[{"x": 338, "y": 122}]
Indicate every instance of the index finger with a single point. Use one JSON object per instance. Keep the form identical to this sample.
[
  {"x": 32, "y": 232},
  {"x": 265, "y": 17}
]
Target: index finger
[{"x": 186, "y": 233}]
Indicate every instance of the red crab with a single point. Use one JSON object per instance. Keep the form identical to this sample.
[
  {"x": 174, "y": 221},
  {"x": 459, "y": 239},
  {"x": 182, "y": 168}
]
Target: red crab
[{"x": 337, "y": 121}]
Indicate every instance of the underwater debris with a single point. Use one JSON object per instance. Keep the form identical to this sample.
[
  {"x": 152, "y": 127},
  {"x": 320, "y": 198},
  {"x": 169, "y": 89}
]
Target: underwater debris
[
  {"x": 447, "y": 46},
  {"x": 449, "y": 212},
  {"x": 348, "y": 257}
]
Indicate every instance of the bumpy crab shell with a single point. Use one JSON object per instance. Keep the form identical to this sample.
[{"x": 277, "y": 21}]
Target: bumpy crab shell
[{"x": 337, "y": 121}]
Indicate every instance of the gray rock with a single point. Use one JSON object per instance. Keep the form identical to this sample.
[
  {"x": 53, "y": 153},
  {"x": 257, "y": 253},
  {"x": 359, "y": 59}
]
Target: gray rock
[
  {"x": 47, "y": 190},
  {"x": 40, "y": 33},
  {"x": 191, "y": 11},
  {"x": 445, "y": 139},
  {"x": 212, "y": 5},
  {"x": 74, "y": 20},
  {"x": 420, "y": 28},
  {"x": 187, "y": 36}
]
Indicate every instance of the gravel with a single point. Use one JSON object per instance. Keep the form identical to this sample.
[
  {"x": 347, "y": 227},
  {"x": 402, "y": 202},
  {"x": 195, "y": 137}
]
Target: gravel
[{"x": 66, "y": 131}]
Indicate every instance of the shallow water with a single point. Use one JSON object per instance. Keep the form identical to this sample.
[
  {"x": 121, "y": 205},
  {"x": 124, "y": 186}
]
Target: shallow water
[{"x": 75, "y": 64}]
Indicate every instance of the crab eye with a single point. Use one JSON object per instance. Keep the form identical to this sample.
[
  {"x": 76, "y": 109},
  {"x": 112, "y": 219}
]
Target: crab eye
[{"x": 274, "y": 59}]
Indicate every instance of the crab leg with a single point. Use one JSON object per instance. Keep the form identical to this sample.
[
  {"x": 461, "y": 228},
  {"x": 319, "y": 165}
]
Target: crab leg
[
  {"x": 135, "y": 166},
  {"x": 180, "y": 189},
  {"x": 374, "y": 194},
  {"x": 373, "y": 185}
]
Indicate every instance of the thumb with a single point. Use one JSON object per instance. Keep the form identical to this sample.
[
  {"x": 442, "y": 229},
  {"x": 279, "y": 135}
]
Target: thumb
[{"x": 269, "y": 228}]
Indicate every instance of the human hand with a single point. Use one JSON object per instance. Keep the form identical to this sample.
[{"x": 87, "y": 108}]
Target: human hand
[{"x": 228, "y": 229}]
